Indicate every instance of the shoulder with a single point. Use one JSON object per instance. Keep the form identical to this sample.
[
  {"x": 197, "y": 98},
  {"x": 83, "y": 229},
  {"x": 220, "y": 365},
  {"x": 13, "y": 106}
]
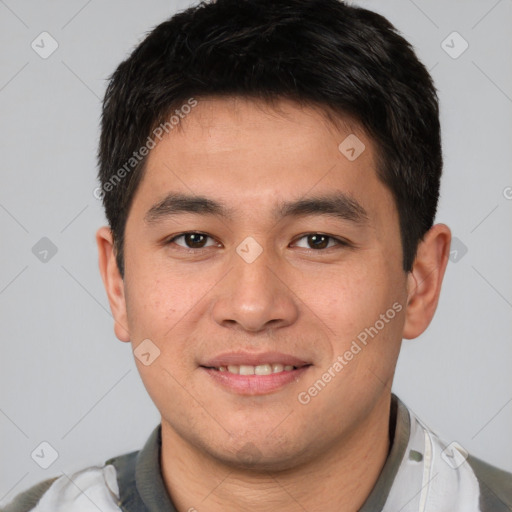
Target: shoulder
[
  {"x": 28, "y": 499},
  {"x": 95, "y": 487},
  {"x": 110, "y": 487},
  {"x": 457, "y": 481},
  {"x": 495, "y": 485}
]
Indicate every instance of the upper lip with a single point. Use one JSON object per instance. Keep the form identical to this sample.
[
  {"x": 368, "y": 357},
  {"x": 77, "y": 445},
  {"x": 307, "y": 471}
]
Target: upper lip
[{"x": 252, "y": 359}]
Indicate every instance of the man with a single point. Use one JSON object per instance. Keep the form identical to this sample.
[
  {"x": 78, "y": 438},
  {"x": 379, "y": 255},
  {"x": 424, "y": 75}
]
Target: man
[{"x": 270, "y": 173}]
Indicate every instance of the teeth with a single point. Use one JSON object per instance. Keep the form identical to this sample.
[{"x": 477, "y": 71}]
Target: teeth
[
  {"x": 243, "y": 369},
  {"x": 262, "y": 369}
]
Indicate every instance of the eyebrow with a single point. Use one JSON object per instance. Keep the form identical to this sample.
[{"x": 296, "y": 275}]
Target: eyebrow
[
  {"x": 176, "y": 203},
  {"x": 335, "y": 204}
]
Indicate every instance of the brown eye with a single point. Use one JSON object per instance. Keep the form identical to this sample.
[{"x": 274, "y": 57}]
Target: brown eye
[
  {"x": 318, "y": 241},
  {"x": 192, "y": 240}
]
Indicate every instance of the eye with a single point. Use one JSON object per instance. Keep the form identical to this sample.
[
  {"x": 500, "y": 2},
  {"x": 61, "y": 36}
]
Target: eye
[
  {"x": 319, "y": 241},
  {"x": 192, "y": 240}
]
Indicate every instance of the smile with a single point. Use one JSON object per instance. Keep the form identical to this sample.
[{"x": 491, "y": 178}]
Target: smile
[
  {"x": 255, "y": 380},
  {"x": 261, "y": 369}
]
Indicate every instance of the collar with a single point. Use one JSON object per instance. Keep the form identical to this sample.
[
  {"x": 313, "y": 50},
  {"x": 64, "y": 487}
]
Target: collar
[
  {"x": 142, "y": 488},
  {"x": 400, "y": 431}
]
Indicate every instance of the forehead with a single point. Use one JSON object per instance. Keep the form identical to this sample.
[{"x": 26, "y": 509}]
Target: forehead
[
  {"x": 244, "y": 124},
  {"x": 253, "y": 155}
]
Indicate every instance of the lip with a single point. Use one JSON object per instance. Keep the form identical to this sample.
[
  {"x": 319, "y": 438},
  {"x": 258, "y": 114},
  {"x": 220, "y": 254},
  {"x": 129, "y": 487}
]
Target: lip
[
  {"x": 254, "y": 384},
  {"x": 253, "y": 359}
]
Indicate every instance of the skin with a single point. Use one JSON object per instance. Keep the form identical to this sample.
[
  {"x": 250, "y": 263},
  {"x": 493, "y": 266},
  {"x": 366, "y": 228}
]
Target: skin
[{"x": 294, "y": 298}]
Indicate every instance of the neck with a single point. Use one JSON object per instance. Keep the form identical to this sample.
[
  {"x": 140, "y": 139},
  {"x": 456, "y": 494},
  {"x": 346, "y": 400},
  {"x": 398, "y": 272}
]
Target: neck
[{"x": 338, "y": 480}]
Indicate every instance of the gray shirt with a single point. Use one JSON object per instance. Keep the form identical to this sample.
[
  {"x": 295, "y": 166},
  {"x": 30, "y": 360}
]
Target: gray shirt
[{"x": 421, "y": 474}]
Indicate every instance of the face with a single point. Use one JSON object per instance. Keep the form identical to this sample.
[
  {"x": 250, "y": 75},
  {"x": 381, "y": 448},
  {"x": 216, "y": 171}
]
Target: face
[{"x": 294, "y": 258}]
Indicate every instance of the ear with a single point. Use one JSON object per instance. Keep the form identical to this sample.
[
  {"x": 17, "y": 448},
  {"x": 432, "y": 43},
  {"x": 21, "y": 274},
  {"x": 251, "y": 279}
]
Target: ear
[
  {"x": 425, "y": 279},
  {"x": 113, "y": 282}
]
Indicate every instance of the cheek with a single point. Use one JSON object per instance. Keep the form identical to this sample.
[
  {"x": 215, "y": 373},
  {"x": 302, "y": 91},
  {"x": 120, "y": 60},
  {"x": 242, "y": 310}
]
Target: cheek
[
  {"x": 348, "y": 295},
  {"x": 167, "y": 310},
  {"x": 365, "y": 303},
  {"x": 158, "y": 310},
  {"x": 157, "y": 300}
]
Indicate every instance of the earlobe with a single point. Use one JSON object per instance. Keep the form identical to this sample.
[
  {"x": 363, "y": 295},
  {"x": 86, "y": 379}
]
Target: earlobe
[
  {"x": 113, "y": 282},
  {"x": 425, "y": 279}
]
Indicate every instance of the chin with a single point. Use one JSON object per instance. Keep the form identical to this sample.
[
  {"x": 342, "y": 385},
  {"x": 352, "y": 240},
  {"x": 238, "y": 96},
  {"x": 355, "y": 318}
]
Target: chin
[
  {"x": 261, "y": 453},
  {"x": 254, "y": 461}
]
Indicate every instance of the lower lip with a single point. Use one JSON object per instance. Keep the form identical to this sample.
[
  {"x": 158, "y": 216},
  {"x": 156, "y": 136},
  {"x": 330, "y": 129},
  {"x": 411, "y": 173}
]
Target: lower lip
[{"x": 255, "y": 384}]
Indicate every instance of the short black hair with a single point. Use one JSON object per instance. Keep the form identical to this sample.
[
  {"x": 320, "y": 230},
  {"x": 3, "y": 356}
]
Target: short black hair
[{"x": 340, "y": 58}]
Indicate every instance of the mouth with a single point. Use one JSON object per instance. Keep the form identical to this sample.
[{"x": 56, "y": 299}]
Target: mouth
[
  {"x": 261, "y": 369},
  {"x": 261, "y": 379},
  {"x": 251, "y": 373}
]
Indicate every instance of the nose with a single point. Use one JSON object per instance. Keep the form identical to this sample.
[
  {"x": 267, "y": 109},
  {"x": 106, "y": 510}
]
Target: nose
[{"x": 255, "y": 296}]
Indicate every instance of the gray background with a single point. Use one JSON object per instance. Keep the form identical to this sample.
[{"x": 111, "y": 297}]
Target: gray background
[{"x": 66, "y": 380}]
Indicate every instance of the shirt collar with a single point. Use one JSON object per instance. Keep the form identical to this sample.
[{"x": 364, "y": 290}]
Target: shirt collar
[
  {"x": 148, "y": 475},
  {"x": 153, "y": 493},
  {"x": 400, "y": 430}
]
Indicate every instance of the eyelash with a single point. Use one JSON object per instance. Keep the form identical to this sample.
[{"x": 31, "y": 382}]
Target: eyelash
[{"x": 339, "y": 242}]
